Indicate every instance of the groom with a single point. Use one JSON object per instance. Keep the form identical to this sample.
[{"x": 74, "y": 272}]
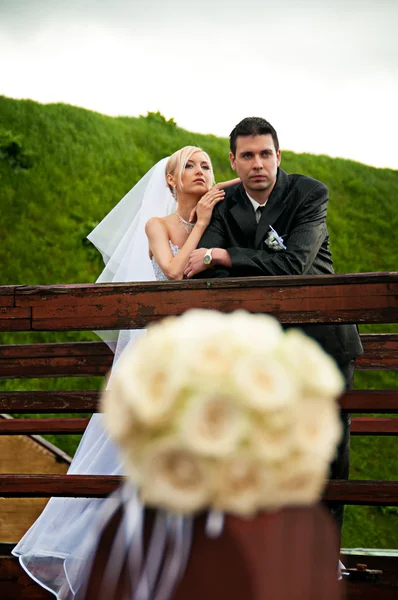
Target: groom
[{"x": 273, "y": 223}]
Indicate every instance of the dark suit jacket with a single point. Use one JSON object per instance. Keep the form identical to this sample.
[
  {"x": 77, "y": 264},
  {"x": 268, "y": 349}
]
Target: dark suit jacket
[{"x": 297, "y": 210}]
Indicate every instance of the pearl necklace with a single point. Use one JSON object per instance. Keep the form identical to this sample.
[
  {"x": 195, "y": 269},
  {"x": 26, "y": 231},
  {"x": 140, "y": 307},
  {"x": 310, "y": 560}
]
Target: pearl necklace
[{"x": 186, "y": 224}]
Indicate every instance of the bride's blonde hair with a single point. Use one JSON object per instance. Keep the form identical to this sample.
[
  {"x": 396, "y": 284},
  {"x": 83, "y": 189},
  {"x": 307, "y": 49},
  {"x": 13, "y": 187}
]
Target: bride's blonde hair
[{"x": 177, "y": 162}]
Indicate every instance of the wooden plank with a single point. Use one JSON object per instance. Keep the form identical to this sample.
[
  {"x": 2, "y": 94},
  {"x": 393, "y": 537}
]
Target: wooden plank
[
  {"x": 15, "y": 583},
  {"x": 387, "y": 564},
  {"x": 72, "y": 359},
  {"x": 84, "y": 359},
  {"x": 42, "y": 426},
  {"x": 354, "y": 401},
  {"x": 371, "y": 493},
  {"x": 367, "y": 493},
  {"x": 7, "y": 298},
  {"x": 359, "y": 426},
  {"x": 55, "y": 350},
  {"x": 369, "y": 590},
  {"x": 363, "y": 297},
  {"x": 380, "y": 352},
  {"x": 85, "y": 401},
  {"x": 15, "y": 318},
  {"x": 45, "y": 486},
  {"x": 370, "y": 401},
  {"x": 372, "y": 426}
]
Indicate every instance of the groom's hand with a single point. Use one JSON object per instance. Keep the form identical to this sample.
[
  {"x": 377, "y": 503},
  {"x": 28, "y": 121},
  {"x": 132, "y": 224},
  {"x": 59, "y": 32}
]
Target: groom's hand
[{"x": 196, "y": 265}]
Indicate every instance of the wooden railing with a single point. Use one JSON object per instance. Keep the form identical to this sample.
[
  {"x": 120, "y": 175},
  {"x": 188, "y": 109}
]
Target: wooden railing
[{"x": 360, "y": 298}]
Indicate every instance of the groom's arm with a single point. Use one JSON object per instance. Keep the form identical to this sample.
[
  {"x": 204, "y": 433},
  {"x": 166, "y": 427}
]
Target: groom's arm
[{"x": 302, "y": 244}]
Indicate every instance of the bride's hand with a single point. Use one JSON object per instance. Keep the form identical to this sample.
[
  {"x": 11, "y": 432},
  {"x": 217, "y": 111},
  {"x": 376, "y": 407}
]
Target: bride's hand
[{"x": 204, "y": 208}]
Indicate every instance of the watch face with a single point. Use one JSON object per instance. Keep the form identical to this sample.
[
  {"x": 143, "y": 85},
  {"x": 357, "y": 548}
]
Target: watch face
[{"x": 207, "y": 259}]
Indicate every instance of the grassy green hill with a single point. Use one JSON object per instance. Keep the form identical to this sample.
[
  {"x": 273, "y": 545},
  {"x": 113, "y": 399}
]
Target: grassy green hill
[{"x": 63, "y": 168}]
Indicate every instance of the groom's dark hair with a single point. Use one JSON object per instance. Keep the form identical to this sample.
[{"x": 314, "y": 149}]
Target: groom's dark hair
[{"x": 252, "y": 126}]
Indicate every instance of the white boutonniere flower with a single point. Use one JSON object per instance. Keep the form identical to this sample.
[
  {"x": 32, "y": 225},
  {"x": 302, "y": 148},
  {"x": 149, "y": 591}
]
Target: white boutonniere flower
[{"x": 274, "y": 241}]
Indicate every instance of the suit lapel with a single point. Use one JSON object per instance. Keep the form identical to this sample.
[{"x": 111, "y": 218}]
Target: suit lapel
[
  {"x": 243, "y": 213},
  {"x": 275, "y": 205}
]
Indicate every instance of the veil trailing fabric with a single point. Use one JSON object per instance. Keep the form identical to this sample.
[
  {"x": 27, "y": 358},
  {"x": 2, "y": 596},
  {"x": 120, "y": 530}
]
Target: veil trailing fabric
[
  {"x": 121, "y": 239},
  {"x": 56, "y": 548}
]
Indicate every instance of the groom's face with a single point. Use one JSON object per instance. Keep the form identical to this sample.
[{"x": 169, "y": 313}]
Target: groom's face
[{"x": 256, "y": 162}]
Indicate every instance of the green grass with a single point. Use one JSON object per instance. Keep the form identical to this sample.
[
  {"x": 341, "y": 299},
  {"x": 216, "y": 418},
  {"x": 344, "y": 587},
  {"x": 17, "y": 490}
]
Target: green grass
[{"x": 63, "y": 168}]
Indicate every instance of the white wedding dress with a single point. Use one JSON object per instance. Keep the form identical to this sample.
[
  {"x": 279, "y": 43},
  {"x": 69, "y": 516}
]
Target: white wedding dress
[{"x": 55, "y": 549}]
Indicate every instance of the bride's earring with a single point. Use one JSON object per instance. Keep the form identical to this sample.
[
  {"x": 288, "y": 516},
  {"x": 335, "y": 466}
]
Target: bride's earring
[{"x": 174, "y": 193}]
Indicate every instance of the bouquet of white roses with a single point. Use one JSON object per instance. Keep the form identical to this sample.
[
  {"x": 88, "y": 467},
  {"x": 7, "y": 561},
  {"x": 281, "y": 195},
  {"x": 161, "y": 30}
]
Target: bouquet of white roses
[{"x": 225, "y": 412}]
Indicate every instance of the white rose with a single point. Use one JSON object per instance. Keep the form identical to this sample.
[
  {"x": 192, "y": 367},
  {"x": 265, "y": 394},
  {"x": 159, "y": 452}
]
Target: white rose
[
  {"x": 196, "y": 325},
  {"x": 301, "y": 479},
  {"x": 272, "y": 499},
  {"x": 270, "y": 435},
  {"x": 133, "y": 453},
  {"x": 147, "y": 378},
  {"x": 213, "y": 424},
  {"x": 258, "y": 332},
  {"x": 118, "y": 417},
  {"x": 207, "y": 354},
  {"x": 174, "y": 478},
  {"x": 211, "y": 344},
  {"x": 317, "y": 428},
  {"x": 316, "y": 370},
  {"x": 265, "y": 383},
  {"x": 239, "y": 484}
]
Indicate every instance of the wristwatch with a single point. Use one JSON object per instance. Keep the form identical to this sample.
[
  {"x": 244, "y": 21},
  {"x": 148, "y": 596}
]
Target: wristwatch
[{"x": 208, "y": 258}]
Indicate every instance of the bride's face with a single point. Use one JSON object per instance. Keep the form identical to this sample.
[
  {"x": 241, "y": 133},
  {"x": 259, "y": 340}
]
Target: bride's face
[{"x": 197, "y": 177}]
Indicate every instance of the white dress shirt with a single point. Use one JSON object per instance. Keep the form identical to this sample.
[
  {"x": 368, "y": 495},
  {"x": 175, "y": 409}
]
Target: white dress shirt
[{"x": 256, "y": 205}]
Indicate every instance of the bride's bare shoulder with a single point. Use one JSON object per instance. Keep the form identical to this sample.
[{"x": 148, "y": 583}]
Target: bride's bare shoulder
[{"x": 155, "y": 225}]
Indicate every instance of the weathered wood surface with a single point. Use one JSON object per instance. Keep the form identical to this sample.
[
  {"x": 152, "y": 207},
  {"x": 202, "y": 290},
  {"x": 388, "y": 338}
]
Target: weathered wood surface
[
  {"x": 84, "y": 359},
  {"x": 359, "y": 426},
  {"x": 25, "y": 454},
  {"x": 86, "y": 401},
  {"x": 371, "y": 493},
  {"x": 72, "y": 359},
  {"x": 15, "y": 584},
  {"x": 374, "y": 426},
  {"x": 357, "y": 298},
  {"x": 370, "y": 591},
  {"x": 387, "y": 564},
  {"x": 380, "y": 352},
  {"x": 370, "y": 401},
  {"x": 42, "y": 426}
]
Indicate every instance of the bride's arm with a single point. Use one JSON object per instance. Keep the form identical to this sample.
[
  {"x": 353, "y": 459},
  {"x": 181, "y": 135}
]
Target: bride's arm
[
  {"x": 225, "y": 184},
  {"x": 158, "y": 237}
]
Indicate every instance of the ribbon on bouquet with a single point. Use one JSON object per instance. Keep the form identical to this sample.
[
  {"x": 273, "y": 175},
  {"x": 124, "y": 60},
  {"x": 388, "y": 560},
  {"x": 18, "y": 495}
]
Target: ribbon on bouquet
[{"x": 153, "y": 574}]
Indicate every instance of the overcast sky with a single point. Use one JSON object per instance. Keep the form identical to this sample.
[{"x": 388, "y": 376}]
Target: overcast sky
[{"x": 324, "y": 72}]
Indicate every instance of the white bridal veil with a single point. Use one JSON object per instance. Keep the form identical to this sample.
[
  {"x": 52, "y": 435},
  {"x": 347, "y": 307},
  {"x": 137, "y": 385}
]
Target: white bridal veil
[
  {"x": 57, "y": 546},
  {"x": 121, "y": 239}
]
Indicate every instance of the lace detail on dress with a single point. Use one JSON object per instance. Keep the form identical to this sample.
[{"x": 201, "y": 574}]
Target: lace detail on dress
[{"x": 160, "y": 276}]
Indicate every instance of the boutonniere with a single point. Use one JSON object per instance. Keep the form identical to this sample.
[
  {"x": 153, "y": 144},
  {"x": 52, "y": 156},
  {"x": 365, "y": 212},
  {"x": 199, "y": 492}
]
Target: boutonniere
[{"x": 274, "y": 241}]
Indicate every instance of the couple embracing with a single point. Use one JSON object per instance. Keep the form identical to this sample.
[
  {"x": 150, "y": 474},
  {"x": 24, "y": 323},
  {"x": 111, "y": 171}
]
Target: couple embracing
[
  {"x": 177, "y": 223},
  {"x": 265, "y": 223}
]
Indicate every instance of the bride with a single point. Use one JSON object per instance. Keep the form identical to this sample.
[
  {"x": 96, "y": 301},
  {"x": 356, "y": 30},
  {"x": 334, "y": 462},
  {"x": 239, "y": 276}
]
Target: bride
[{"x": 149, "y": 235}]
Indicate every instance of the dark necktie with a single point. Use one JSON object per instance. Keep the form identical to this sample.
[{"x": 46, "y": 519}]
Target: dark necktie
[{"x": 259, "y": 212}]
